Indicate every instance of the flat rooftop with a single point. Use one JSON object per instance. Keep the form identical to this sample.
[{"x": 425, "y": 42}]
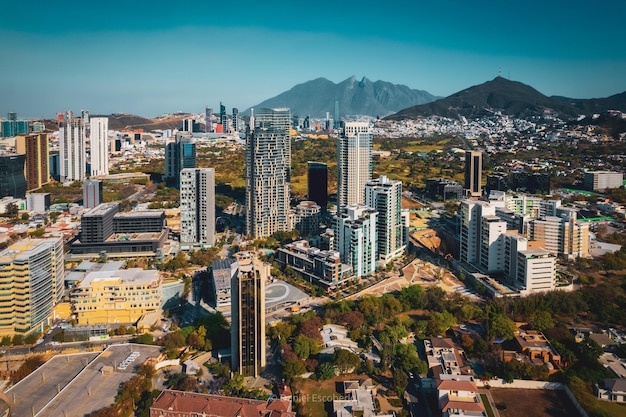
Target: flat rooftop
[{"x": 132, "y": 275}]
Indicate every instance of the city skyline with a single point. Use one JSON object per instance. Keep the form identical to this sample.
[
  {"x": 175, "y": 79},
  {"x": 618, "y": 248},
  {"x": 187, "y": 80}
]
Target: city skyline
[{"x": 158, "y": 59}]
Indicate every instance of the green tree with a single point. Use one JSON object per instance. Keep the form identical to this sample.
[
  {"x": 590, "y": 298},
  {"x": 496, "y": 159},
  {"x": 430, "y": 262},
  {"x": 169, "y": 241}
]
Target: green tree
[
  {"x": 541, "y": 320},
  {"x": 304, "y": 346},
  {"x": 439, "y": 323},
  {"x": 145, "y": 339},
  {"x": 234, "y": 385},
  {"x": 325, "y": 371},
  {"x": 500, "y": 326},
  {"x": 346, "y": 361},
  {"x": 292, "y": 369},
  {"x": 400, "y": 381}
]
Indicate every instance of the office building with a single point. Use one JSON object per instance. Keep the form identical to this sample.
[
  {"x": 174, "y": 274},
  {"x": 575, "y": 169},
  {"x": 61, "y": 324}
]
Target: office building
[
  {"x": 354, "y": 163},
  {"x": 208, "y": 120},
  {"x": 72, "y": 148},
  {"x": 31, "y": 284},
  {"x": 92, "y": 193},
  {"x": 385, "y": 197},
  {"x": 307, "y": 218},
  {"x": 473, "y": 173},
  {"x": 248, "y": 315},
  {"x": 235, "y": 119},
  {"x": 99, "y": 135},
  {"x": 35, "y": 147},
  {"x": 317, "y": 183},
  {"x": 38, "y": 202},
  {"x": 197, "y": 208},
  {"x": 171, "y": 403},
  {"x": 12, "y": 179},
  {"x": 536, "y": 270},
  {"x": 355, "y": 238},
  {"x": 54, "y": 162},
  {"x": 13, "y": 127},
  {"x": 444, "y": 189},
  {"x": 223, "y": 117},
  {"x": 268, "y": 173},
  {"x": 179, "y": 154},
  {"x": 602, "y": 180},
  {"x": 120, "y": 296},
  {"x": 492, "y": 230}
]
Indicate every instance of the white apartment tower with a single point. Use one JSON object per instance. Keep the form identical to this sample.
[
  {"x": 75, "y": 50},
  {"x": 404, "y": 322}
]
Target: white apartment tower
[
  {"x": 354, "y": 163},
  {"x": 99, "y": 130},
  {"x": 72, "y": 153},
  {"x": 355, "y": 238},
  {"x": 268, "y": 173},
  {"x": 385, "y": 197},
  {"x": 197, "y": 207}
]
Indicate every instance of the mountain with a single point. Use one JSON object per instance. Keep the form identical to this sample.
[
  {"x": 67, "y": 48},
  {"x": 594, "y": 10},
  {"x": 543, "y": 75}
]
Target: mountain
[
  {"x": 123, "y": 121},
  {"x": 596, "y": 105},
  {"x": 315, "y": 98},
  {"x": 509, "y": 97}
]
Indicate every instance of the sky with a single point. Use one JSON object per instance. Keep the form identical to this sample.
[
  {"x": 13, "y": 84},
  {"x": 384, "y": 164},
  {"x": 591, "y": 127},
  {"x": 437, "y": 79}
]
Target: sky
[{"x": 153, "y": 57}]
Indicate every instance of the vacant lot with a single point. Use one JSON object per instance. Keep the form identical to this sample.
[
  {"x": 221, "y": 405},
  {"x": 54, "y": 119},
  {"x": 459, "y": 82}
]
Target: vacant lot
[{"x": 533, "y": 402}]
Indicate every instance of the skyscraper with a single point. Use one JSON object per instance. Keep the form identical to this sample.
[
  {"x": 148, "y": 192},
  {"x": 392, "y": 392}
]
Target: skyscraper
[
  {"x": 268, "y": 173},
  {"x": 99, "y": 131},
  {"x": 72, "y": 151},
  {"x": 12, "y": 179},
  {"x": 317, "y": 182},
  {"x": 354, "y": 163},
  {"x": 355, "y": 238},
  {"x": 473, "y": 173},
  {"x": 92, "y": 193},
  {"x": 235, "y": 119},
  {"x": 179, "y": 154},
  {"x": 248, "y": 315},
  {"x": 223, "y": 116},
  {"x": 208, "y": 123},
  {"x": 35, "y": 147},
  {"x": 197, "y": 207},
  {"x": 385, "y": 196}
]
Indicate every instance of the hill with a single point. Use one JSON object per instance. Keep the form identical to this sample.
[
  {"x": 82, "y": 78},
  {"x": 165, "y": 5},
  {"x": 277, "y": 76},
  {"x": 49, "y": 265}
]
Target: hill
[
  {"x": 596, "y": 105},
  {"x": 509, "y": 97},
  {"x": 316, "y": 97},
  {"x": 123, "y": 121}
]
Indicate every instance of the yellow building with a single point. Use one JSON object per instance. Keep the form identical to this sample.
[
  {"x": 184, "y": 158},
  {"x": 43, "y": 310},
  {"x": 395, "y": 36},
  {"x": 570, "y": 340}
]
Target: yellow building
[
  {"x": 121, "y": 296},
  {"x": 31, "y": 284}
]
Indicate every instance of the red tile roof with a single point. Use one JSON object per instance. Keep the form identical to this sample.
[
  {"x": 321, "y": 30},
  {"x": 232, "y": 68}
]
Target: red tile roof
[{"x": 452, "y": 385}]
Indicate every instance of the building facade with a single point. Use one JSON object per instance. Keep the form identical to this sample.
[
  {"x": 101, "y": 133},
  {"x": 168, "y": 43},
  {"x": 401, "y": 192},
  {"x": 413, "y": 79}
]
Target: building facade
[
  {"x": 473, "y": 173},
  {"x": 99, "y": 138},
  {"x": 248, "y": 315},
  {"x": 385, "y": 197},
  {"x": 197, "y": 207},
  {"x": 307, "y": 218},
  {"x": 354, "y": 163},
  {"x": 72, "y": 146},
  {"x": 35, "y": 147},
  {"x": 93, "y": 193},
  {"x": 355, "y": 238},
  {"x": 12, "y": 178},
  {"x": 602, "y": 180},
  {"x": 268, "y": 173},
  {"x": 31, "y": 284},
  {"x": 179, "y": 154},
  {"x": 317, "y": 183}
]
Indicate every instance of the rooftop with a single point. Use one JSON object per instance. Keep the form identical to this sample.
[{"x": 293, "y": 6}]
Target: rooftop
[{"x": 123, "y": 276}]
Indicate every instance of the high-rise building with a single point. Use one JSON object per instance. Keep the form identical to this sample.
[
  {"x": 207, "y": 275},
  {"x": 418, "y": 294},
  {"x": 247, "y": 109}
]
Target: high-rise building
[
  {"x": 470, "y": 214},
  {"x": 31, "y": 282},
  {"x": 197, "y": 207},
  {"x": 223, "y": 116},
  {"x": 317, "y": 182},
  {"x": 473, "y": 173},
  {"x": 307, "y": 218},
  {"x": 208, "y": 120},
  {"x": 235, "y": 119},
  {"x": 354, "y": 163},
  {"x": 99, "y": 134},
  {"x": 337, "y": 123},
  {"x": 248, "y": 315},
  {"x": 35, "y": 147},
  {"x": 13, "y": 127},
  {"x": 12, "y": 179},
  {"x": 92, "y": 193},
  {"x": 268, "y": 173},
  {"x": 73, "y": 162},
  {"x": 356, "y": 238},
  {"x": 179, "y": 154},
  {"x": 385, "y": 197}
]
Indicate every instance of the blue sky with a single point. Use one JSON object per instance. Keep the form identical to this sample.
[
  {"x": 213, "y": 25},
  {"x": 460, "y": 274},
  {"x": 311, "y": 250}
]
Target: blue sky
[{"x": 152, "y": 57}]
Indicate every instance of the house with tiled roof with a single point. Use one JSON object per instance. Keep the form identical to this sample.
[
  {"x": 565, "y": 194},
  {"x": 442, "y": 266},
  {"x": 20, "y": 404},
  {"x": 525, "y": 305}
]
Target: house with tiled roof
[
  {"x": 458, "y": 396},
  {"x": 611, "y": 390},
  {"x": 172, "y": 403}
]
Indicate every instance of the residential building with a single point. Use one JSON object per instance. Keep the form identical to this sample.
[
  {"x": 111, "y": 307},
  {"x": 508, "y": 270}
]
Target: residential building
[
  {"x": 317, "y": 183},
  {"x": 492, "y": 243},
  {"x": 197, "y": 207},
  {"x": 357, "y": 400},
  {"x": 180, "y": 153},
  {"x": 72, "y": 146},
  {"x": 473, "y": 173},
  {"x": 13, "y": 127},
  {"x": 31, "y": 284},
  {"x": 120, "y": 296},
  {"x": 536, "y": 270},
  {"x": 563, "y": 236},
  {"x": 444, "y": 357},
  {"x": 171, "y": 403},
  {"x": 307, "y": 218},
  {"x": 38, "y": 202},
  {"x": 458, "y": 396},
  {"x": 602, "y": 180},
  {"x": 248, "y": 315},
  {"x": 208, "y": 122},
  {"x": 321, "y": 266},
  {"x": 612, "y": 389},
  {"x": 35, "y": 147},
  {"x": 354, "y": 163},
  {"x": 12, "y": 179},
  {"x": 235, "y": 120},
  {"x": 385, "y": 197},
  {"x": 99, "y": 137},
  {"x": 268, "y": 173},
  {"x": 470, "y": 220},
  {"x": 222, "y": 272},
  {"x": 93, "y": 193},
  {"x": 535, "y": 345},
  {"x": 355, "y": 238}
]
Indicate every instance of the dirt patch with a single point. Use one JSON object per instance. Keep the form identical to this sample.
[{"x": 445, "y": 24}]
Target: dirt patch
[{"x": 512, "y": 402}]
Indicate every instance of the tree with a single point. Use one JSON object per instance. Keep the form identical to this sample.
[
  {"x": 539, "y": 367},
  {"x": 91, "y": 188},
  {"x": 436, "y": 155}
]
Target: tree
[
  {"x": 541, "y": 320},
  {"x": 145, "y": 339},
  {"x": 292, "y": 369},
  {"x": 439, "y": 323},
  {"x": 589, "y": 350},
  {"x": 500, "y": 326},
  {"x": 412, "y": 297},
  {"x": 346, "y": 361},
  {"x": 325, "y": 371},
  {"x": 11, "y": 210},
  {"x": 400, "y": 381},
  {"x": 281, "y": 331},
  {"x": 304, "y": 346},
  {"x": 234, "y": 385}
]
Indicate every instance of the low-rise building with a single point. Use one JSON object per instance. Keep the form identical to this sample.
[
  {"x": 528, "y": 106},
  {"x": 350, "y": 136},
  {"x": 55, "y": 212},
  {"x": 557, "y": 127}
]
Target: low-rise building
[
  {"x": 358, "y": 400},
  {"x": 535, "y": 345},
  {"x": 611, "y": 390},
  {"x": 121, "y": 296},
  {"x": 458, "y": 396}
]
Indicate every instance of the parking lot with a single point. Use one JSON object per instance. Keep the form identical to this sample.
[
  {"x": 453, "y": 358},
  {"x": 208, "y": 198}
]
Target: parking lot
[{"x": 74, "y": 385}]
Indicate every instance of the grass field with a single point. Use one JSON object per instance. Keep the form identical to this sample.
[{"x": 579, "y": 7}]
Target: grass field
[{"x": 513, "y": 402}]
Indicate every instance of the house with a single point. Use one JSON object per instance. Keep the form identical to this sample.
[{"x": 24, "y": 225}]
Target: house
[
  {"x": 611, "y": 390},
  {"x": 458, "y": 396},
  {"x": 535, "y": 345},
  {"x": 358, "y": 400}
]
